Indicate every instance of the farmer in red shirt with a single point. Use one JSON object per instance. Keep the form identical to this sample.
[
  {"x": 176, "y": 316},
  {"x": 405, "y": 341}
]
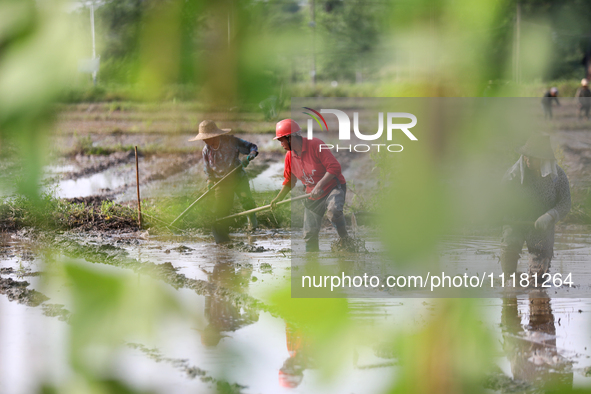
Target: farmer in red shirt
[{"x": 320, "y": 172}]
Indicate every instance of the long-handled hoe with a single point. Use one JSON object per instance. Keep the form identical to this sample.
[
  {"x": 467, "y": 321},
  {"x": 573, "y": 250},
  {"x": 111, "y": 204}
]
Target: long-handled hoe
[
  {"x": 264, "y": 207},
  {"x": 204, "y": 194}
]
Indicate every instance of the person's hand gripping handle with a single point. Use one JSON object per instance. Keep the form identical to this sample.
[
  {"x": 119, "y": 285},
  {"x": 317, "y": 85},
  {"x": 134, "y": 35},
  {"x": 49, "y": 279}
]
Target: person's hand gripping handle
[{"x": 248, "y": 159}]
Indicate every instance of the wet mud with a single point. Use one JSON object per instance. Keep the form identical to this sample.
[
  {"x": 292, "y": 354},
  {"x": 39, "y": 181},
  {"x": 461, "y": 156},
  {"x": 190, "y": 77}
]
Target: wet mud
[
  {"x": 190, "y": 371},
  {"x": 56, "y": 310},
  {"x": 105, "y": 253},
  {"x": 244, "y": 247},
  {"x": 223, "y": 284},
  {"x": 158, "y": 167},
  {"x": 84, "y": 164},
  {"x": 348, "y": 245},
  {"x": 225, "y": 288},
  {"x": 18, "y": 291}
]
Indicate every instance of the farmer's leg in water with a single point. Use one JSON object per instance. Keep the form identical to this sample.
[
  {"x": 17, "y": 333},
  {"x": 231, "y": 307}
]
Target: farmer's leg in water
[
  {"x": 224, "y": 201},
  {"x": 335, "y": 202},
  {"x": 332, "y": 204},
  {"x": 313, "y": 213},
  {"x": 246, "y": 199},
  {"x": 540, "y": 245},
  {"x": 511, "y": 246}
]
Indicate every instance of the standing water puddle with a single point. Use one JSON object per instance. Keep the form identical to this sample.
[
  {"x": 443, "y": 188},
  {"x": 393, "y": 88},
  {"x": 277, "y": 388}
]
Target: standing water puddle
[
  {"x": 113, "y": 179},
  {"x": 92, "y": 185},
  {"x": 270, "y": 179},
  {"x": 537, "y": 335}
]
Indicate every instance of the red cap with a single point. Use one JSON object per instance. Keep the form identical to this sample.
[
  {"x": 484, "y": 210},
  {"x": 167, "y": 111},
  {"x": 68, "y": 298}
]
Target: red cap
[{"x": 285, "y": 128}]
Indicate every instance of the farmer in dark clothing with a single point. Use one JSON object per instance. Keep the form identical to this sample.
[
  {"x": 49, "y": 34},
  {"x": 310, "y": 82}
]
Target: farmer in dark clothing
[
  {"x": 540, "y": 195},
  {"x": 551, "y": 95},
  {"x": 320, "y": 172},
  {"x": 220, "y": 157},
  {"x": 584, "y": 96},
  {"x": 225, "y": 314}
]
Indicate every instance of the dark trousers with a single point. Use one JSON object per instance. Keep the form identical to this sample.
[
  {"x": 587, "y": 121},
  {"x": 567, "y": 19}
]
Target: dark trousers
[
  {"x": 584, "y": 110},
  {"x": 547, "y": 111},
  {"x": 540, "y": 245},
  {"x": 224, "y": 201},
  {"x": 332, "y": 204}
]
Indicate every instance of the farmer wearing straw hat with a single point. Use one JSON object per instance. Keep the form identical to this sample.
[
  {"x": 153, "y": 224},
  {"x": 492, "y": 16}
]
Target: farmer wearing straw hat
[
  {"x": 320, "y": 172},
  {"x": 584, "y": 96},
  {"x": 541, "y": 197},
  {"x": 221, "y": 156}
]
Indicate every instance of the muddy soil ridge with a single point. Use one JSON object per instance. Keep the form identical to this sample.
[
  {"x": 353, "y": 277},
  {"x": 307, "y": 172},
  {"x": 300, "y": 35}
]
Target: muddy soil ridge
[{"x": 106, "y": 253}]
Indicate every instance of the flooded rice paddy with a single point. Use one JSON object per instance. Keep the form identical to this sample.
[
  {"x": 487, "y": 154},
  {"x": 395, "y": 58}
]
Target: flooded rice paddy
[
  {"x": 120, "y": 182},
  {"x": 92, "y": 185},
  {"x": 229, "y": 332},
  {"x": 537, "y": 334}
]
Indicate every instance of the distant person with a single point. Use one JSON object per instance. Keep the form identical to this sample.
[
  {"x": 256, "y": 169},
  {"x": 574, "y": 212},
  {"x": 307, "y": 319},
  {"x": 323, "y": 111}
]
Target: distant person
[
  {"x": 538, "y": 197},
  {"x": 550, "y": 96},
  {"x": 584, "y": 97},
  {"x": 220, "y": 157}
]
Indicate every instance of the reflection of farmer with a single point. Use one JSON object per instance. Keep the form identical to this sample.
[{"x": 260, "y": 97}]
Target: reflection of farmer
[
  {"x": 220, "y": 156},
  {"x": 550, "y": 96},
  {"x": 540, "y": 196},
  {"x": 532, "y": 351},
  {"x": 222, "y": 313},
  {"x": 291, "y": 373},
  {"x": 320, "y": 172},
  {"x": 583, "y": 95}
]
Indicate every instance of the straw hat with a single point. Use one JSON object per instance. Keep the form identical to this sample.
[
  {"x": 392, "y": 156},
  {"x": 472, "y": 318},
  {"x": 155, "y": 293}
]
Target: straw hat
[
  {"x": 208, "y": 129},
  {"x": 538, "y": 146}
]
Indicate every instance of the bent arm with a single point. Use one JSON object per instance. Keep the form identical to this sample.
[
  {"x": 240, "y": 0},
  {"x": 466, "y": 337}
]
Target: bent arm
[
  {"x": 246, "y": 147},
  {"x": 323, "y": 182},
  {"x": 283, "y": 192}
]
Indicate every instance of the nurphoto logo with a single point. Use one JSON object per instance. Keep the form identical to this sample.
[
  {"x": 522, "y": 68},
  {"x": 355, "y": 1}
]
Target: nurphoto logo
[{"x": 345, "y": 130}]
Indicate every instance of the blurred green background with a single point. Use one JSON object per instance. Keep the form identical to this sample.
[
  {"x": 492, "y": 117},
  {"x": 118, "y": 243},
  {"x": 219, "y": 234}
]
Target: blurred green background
[{"x": 253, "y": 56}]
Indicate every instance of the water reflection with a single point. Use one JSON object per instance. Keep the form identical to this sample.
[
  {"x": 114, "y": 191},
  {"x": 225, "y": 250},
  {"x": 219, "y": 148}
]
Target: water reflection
[
  {"x": 291, "y": 373},
  {"x": 531, "y": 348},
  {"x": 223, "y": 313}
]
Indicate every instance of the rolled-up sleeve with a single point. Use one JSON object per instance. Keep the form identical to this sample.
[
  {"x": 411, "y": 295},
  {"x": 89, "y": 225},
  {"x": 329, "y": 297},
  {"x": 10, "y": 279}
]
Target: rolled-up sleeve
[
  {"x": 246, "y": 147},
  {"x": 287, "y": 170},
  {"x": 330, "y": 163}
]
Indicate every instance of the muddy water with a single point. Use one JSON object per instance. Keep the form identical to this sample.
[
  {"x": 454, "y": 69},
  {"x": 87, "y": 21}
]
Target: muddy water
[
  {"x": 537, "y": 335},
  {"x": 270, "y": 179},
  {"x": 115, "y": 178},
  {"x": 92, "y": 185}
]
